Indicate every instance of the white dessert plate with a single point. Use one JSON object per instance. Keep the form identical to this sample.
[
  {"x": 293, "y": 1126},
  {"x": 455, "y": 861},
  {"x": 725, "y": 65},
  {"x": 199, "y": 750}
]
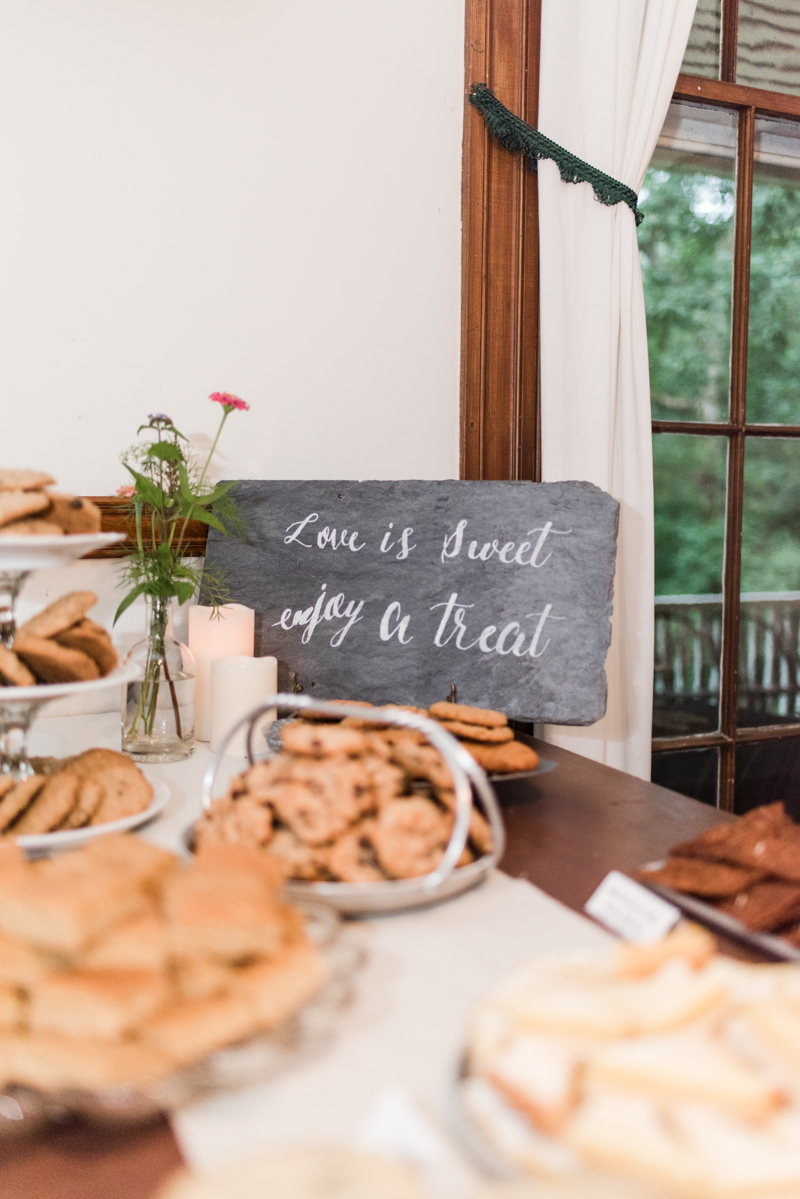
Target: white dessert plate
[
  {"x": 44, "y": 843},
  {"x": 45, "y": 691},
  {"x": 39, "y": 553}
]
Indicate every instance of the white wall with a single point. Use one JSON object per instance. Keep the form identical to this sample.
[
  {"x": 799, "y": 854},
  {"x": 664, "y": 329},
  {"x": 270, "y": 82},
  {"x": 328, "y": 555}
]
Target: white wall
[{"x": 260, "y": 196}]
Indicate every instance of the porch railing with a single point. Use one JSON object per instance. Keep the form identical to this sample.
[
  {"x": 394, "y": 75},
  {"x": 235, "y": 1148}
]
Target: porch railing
[{"x": 688, "y": 636}]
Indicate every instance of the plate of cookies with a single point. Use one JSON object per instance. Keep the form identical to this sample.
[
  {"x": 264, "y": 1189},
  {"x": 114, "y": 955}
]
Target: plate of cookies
[
  {"x": 41, "y": 528},
  {"x": 59, "y": 645},
  {"x": 132, "y": 982},
  {"x": 69, "y": 801},
  {"x": 371, "y": 809}
]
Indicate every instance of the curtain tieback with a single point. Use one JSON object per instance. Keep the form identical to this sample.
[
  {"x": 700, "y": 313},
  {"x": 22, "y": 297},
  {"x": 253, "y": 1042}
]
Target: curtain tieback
[{"x": 515, "y": 134}]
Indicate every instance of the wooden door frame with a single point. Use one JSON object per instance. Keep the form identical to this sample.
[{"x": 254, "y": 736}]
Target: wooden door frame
[{"x": 500, "y": 252}]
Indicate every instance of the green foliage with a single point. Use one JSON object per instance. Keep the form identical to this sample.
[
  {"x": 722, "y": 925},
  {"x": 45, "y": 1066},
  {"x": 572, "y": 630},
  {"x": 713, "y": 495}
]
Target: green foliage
[
  {"x": 686, "y": 253},
  {"x": 689, "y": 479},
  {"x": 170, "y": 490}
]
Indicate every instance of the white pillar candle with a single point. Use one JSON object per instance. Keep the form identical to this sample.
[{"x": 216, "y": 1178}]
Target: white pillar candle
[
  {"x": 210, "y": 637},
  {"x": 239, "y": 684}
]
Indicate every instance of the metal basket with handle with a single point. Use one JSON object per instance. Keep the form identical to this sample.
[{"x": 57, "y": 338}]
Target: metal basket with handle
[{"x": 447, "y": 879}]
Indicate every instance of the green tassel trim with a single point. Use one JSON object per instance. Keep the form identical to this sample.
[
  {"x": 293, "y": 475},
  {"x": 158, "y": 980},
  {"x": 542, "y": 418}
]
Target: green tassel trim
[{"x": 515, "y": 134}]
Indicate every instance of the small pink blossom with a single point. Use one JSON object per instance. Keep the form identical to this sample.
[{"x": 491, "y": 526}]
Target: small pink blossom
[
  {"x": 229, "y": 402},
  {"x": 126, "y": 491}
]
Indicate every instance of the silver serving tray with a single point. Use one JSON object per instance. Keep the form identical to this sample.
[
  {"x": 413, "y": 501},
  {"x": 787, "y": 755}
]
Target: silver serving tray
[
  {"x": 362, "y": 899},
  {"x": 772, "y": 948}
]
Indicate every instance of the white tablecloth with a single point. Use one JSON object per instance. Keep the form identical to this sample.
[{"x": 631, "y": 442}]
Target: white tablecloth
[{"x": 387, "y": 1078}]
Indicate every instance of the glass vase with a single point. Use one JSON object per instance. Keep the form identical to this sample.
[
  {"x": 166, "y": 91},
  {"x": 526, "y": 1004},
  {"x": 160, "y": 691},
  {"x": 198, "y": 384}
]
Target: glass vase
[{"x": 158, "y": 708}]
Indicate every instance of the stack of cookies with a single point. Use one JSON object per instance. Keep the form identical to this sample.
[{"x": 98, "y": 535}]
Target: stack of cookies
[
  {"x": 749, "y": 869},
  {"x": 96, "y": 787},
  {"x": 120, "y": 965},
  {"x": 487, "y": 736},
  {"x": 59, "y": 645},
  {"x": 346, "y": 802},
  {"x": 28, "y": 510}
]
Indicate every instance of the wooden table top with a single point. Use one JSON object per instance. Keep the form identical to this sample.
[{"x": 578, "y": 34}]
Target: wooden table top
[{"x": 566, "y": 829}]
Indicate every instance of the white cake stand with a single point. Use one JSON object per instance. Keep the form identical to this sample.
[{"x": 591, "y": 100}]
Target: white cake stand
[
  {"x": 19, "y": 707},
  {"x": 21, "y": 555}
]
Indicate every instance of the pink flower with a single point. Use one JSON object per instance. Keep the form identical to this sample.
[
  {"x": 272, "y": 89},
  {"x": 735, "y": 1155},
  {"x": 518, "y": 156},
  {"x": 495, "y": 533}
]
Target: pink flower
[
  {"x": 126, "y": 491},
  {"x": 229, "y": 402}
]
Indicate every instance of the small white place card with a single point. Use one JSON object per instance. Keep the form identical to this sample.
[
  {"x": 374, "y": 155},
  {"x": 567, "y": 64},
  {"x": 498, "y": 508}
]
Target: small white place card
[{"x": 630, "y": 910}]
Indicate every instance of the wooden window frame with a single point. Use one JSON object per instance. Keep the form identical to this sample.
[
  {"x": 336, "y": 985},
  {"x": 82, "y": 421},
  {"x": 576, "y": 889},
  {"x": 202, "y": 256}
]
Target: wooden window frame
[{"x": 500, "y": 307}]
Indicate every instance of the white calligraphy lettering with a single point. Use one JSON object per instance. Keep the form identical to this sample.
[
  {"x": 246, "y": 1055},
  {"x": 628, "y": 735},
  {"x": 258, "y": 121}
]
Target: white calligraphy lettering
[
  {"x": 298, "y": 527},
  {"x": 406, "y": 550},
  {"x": 456, "y": 539},
  {"x": 400, "y": 629}
]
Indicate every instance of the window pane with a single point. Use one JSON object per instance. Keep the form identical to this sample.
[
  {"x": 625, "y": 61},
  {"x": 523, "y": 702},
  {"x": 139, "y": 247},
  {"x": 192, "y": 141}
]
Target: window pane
[
  {"x": 769, "y": 45},
  {"x": 767, "y": 771},
  {"x": 689, "y": 477},
  {"x": 702, "y": 52},
  {"x": 686, "y": 245},
  {"x": 691, "y": 772},
  {"x": 773, "y": 361},
  {"x": 769, "y": 630}
]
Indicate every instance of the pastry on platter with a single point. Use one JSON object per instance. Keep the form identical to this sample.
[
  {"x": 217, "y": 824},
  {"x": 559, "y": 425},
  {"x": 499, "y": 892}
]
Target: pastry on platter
[
  {"x": 119, "y": 964},
  {"x": 61, "y": 644},
  {"x": 93, "y": 788},
  {"x": 667, "y": 1066}
]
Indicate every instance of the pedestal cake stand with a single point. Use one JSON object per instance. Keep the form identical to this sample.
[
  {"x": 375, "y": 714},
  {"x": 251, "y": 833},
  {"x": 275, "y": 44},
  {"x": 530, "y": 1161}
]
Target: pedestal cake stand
[{"x": 19, "y": 706}]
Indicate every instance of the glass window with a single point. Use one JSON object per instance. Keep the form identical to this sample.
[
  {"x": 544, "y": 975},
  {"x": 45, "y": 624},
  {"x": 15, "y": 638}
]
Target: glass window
[
  {"x": 686, "y": 247},
  {"x": 769, "y": 45},
  {"x": 773, "y": 360},
  {"x": 692, "y": 772},
  {"x": 769, "y": 623},
  {"x": 767, "y": 771},
  {"x": 703, "y": 51},
  {"x": 689, "y": 481}
]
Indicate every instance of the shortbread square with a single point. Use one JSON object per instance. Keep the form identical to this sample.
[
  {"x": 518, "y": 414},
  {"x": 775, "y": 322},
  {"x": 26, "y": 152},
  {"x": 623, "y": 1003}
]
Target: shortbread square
[
  {"x": 52, "y": 1062},
  {"x": 103, "y": 1004},
  {"x": 189, "y": 1030}
]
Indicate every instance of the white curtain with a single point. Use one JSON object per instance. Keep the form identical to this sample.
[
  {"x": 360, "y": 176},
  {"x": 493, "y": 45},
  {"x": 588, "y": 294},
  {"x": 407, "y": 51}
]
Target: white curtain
[{"x": 608, "y": 71}]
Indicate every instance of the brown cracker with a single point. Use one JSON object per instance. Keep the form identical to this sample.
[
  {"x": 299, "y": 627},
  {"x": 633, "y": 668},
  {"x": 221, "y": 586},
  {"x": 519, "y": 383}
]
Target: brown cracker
[
  {"x": 93, "y": 640},
  {"x": 475, "y": 732},
  {"x": 321, "y": 741},
  {"x": 90, "y": 796},
  {"x": 60, "y": 615},
  {"x": 352, "y": 858},
  {"x": 52, "y": 663},
  {"x": 503, "y": 759},
  {"x": 17, "y": 798},
  {"x": 53, "y": 804},
  {"x": 16, "y": 504},
  {"x": 74, "y": 514},
  {"x": 711, "y": 880},
  {"x": 13, "y": 672},
  {"x": 765, "y": 906},
  {"x": 24, "y": 480},
  {"x": 481, "y": 716}
]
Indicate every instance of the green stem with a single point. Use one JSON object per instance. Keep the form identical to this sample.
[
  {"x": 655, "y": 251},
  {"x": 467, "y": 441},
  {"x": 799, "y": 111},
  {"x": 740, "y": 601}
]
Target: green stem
[{"x": 225, "y": 416}]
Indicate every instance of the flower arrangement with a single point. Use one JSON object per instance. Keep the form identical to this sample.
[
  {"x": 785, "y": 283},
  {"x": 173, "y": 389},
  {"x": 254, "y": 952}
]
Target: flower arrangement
[{"x": 170, "y": 489}]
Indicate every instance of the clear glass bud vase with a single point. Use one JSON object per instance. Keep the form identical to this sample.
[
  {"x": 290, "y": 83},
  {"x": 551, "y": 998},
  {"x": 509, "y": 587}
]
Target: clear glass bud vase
[{"x": 158, "y": 708}]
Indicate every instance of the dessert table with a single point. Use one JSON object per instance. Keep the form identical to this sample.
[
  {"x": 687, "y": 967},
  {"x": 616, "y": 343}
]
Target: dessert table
[{"x": 566, "y": 829}]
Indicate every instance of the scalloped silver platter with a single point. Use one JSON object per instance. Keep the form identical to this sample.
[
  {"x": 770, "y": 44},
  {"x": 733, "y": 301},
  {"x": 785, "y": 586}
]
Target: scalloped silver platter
[
  {"x": 45, "y": 843},
  {"x": 45, "y": 691},
  {"x": 371, "y": 899},
  {"x": 40, "y": 553},
  {"x": 300, "y": 1038}
]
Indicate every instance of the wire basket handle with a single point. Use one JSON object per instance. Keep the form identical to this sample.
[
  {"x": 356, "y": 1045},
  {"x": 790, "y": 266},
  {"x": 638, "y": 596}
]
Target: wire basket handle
[{"x": 465, "y": 770}]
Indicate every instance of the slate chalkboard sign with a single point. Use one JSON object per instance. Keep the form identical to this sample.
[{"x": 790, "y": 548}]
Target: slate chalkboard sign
[{"x": 393, "y": 591}]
